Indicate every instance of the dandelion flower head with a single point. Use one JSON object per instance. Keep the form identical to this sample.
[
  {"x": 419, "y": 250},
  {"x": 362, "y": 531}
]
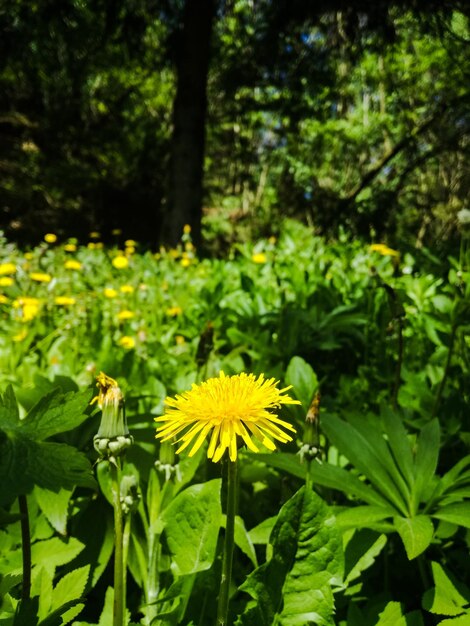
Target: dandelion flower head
[{"x": 227, "y": 407}]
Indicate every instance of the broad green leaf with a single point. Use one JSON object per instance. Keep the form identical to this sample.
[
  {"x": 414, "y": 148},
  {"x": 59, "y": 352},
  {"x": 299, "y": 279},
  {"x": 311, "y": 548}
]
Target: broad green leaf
[
  {"x": 361, "y": 516},
  {"x": 303, "y": 379},
  {"x": 70, "y": 587},
  {"x": 364, "y": 457},
  {"x": 361, "y": 548},
  {"x": 446, "y": 597},
  {"x": 191, "y": 525},
  {"x": 243, "y": 540},
  {"x": 399, "y": 443},
  {"x": 307, "y": 555},
  {"x": 455, "y": 513},
  {"x": 55, "y": 507},
  {"x": 42, "y": 587},
  {"x": 54, "y": 552},
  {"x": 9, "y": 406},
  {"x": 338, "y": 478},
  {"x": 415, "y": 532},
  {"x": 57, "y": 413},
  {"x": 260, "y": 534},
  {"x": 427, "y": 454},
  {"x": 283, "y": 461}
]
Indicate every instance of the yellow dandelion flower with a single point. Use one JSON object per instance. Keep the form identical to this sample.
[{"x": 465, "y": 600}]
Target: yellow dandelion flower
[
  {"x": 127, "y": 342},
  {"x": 70, "y": 247},
  {"x": 64, "y": 300},
  {"x": 125, "y": 315},
  {"x": 40, "y": 277},
  {"x": 180, "y": 340},
  {"x": 384, "y": 250},
  {"x": 7, "y": 268},
  {"x": 185, "y": 262},
  {"x": 186, "y": 229},
  {"x": 94, "y": 234},
  {"x": 259, "y": 257},
  {"x": 120, "y": 262},
  {"x": 173, "y": 311},
  {"x": 72, "y": 264},
  {"x": 3, "y": 299},
  {"x": 272, "y": 240},
  {"x": 130, "y": 243},
  {"x": 126, "y": 289},
  {"x": 130, "y": 250},
  {"x": 109, "y": 292},
  {"x": 20, "y": 336},
  {"x": 29, "y": 307},
  {"x": 50, "y": 237},
  {"x": 229, "y": 406},
  {"x": 6, "y": 281},
  {"x": 175, "y": 253},
  {"x": 28, "y": 256},
  {"x": 188, "y": 246}
]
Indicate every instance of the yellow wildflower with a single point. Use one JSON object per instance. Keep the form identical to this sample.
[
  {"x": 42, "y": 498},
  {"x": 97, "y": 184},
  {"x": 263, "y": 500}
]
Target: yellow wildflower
[
  {"x": 94, "y": 234},
  {"x": 72, "y": 264},
  {"x": 272, "y": 240},
  {"x": 120, "y": 262},
  {"x": 130, "y": 243},
  {"x": 109, "y": 292},
  {"x": 180, "y": 340},
  {"x": 50, "y": 237},
  {"x": 174, "y": 253},
  {"x": 20, "y": 336},
  {"x": 130, "y": 250},
  {"x": 40, "y": 277},
  {"x": 70, "y": 247},
  {"x": 173, "y": 311},
  {"x": 188, "y": 246},
  {"x": 125, "y": 315},
  {"x": 259, "y": 257},
  {"x": 64, "y": 300},
  {"x": 230, "y": 407},
  {"x": 127, "y": 342},
  {"x": 186, "y": 229},
  {"x": 7, "y": 268},
  {"x": 28, "y": 256},
  {"x": 3, "y": 299},
  {"x": 6, "y": 281},
  {"x": 384, "y": 250},
  {"x": 29, "y": 307},
  {"x": 185, "y": 262},
  {"x": 126, "y": 289}
]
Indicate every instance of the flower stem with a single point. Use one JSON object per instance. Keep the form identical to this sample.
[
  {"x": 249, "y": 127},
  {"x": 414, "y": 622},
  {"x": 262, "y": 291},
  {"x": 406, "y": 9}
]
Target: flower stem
[
  {"x": 26, "y": 547},
  {"x": 222, "y": 607},
  {"x": 118, "y": 612}
]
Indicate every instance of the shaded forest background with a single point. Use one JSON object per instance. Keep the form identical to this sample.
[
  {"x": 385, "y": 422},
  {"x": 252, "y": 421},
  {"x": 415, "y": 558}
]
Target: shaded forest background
[{"x": 146, "y": 115}]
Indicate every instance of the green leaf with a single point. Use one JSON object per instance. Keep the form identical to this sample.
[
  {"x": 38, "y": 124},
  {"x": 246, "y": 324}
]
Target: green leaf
[
  {"x": 427, "y": 455},
  {"x": 243, "y": 540},
  {"x": 303, "y": 379},
  {"x": 455, "y": 513},
  {"x": 55, "y": 507},
  {"x": 70, "y": 587},
  {"x": 9, "y": 405},
  {"x": 399, "y": 443},
  {"x": 260, "y": 534},
  {"x": 445, "y": 598},
  {"x": 357, "y": 448},
  {"x": 57, "y": 413},
  {"x": 191, "y": 525},
  {"x": 307, "y": 555},
  {"x": 415, "y": 532},
  {"x": 283, "y": 461},
  {"x": 360, "y": 551},
  {"x": 361, "y": 516},
  {"x": 54, "y": 552},
  {"x": 392, "y": 615}
]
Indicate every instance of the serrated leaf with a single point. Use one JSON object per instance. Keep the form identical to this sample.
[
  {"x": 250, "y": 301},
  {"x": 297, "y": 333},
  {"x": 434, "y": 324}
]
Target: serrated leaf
[
  {"x": 70, "y": 587},
  {"x": 54, "y": 552},
  {"x": 415, "y": 532},
  {"x": 307, "y": 554},
  {"x": 445, "y": 598},
  {"x": 360, "y": 551},
  {"x": 392, "y": 615},
  {"x": 55, "y": 507},
  {"x": 56, "y": 413},
  {"x": 303, "y": 379},
  {"x": 191, "y": 525},
  {"x": 455, "y": 514}
]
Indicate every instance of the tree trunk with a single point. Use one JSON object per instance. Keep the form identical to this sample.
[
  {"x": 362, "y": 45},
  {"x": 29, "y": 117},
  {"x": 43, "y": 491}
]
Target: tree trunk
[{"x": 189, "y": 115}]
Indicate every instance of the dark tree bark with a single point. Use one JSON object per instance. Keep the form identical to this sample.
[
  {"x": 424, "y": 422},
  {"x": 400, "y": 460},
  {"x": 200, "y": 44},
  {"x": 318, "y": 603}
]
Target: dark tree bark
[{"x": 189, "y": 116}]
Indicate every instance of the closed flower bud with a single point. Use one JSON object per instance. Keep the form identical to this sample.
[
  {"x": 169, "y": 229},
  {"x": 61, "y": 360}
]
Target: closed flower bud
[{"x": 113, "y": 436}]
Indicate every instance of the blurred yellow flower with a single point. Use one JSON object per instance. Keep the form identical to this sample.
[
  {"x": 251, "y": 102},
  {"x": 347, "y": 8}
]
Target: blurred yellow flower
[
  {"x": 94, "y": 234},
  {"x": 174, "y": 253},
  {"x": 20, "y": 336},
  {"x": 72, "y": 264},
  {"x": 185, "y": 262},
  {"x": 125, "y": 315},
  {"x": 188, "y": 246},
  {"x": 29, "y": 307},
  {"x": 180, "y": 340},
  {"x": 40, "y": 277},
  {"x": 120, "y": 262},
  {"x": 126, "y": 289},
  {"x": 186, "y": 229},
  {"x": 259, "y": 257},
  {"x": 28, "y": 256},
  {"x": 130, "y": 250},
  {"x": 50, "y": 237},
  {"x": 64, "y": 300},
  {"x": 229, "y": 409},
  {"x": 6, "y": 281},
  {"x": 272, "y": 240},
  {"x": 127, "y": 342},
  {"x": 173, "y": 311},
  {"x": 109, "y": 292},
  {"x": 7, "y": 268},
  {"x": 384, "y": 250},
  {"x": 116, "y": 232},
  {"x": 70, "y": 247},
  {"x": 3, "y": 299},
  {"x": 130, "y": 243}
]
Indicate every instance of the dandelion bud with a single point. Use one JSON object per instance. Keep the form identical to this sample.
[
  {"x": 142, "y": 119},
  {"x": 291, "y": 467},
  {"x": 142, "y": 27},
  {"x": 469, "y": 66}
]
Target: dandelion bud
[{"x": 113, "y": 436}]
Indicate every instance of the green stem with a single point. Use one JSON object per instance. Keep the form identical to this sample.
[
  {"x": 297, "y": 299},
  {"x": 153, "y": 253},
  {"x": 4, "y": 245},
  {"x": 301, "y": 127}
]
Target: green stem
[
  {"x": 222, "y": 607},
  {"x": 118, "y": 613},
  {"x": 446, "y": 370},
  {"x": 125, "y": 551},
  {"x": 26, "y": 547}
]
